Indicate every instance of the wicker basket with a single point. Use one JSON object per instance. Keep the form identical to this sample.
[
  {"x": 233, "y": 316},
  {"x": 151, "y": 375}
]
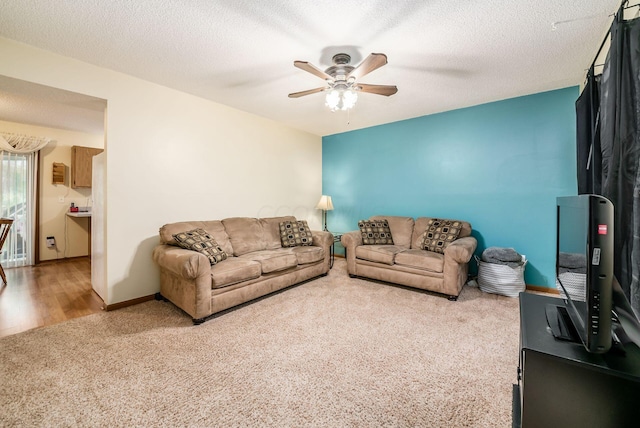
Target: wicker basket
[
  {"x": 575, "y": 284},
  {"x": 501, "y": 279}
]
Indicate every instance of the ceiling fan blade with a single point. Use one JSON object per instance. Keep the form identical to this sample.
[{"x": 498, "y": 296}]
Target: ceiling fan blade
[
  {"x": 385, "y": 90},
  {"x": 307, "y": 92},
  {"x": 370, "y": 63},
  {"x": 310, "y": 68}
]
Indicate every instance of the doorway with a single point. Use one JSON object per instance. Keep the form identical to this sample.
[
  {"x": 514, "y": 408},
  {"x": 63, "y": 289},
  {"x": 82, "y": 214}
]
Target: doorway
[{"x": 68, "y": 119}]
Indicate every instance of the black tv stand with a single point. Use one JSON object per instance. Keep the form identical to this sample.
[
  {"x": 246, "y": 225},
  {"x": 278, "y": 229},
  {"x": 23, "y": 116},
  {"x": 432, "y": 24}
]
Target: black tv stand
[
  {"x": 562, "y": 385},
  {"x": 560, "y": 323}
]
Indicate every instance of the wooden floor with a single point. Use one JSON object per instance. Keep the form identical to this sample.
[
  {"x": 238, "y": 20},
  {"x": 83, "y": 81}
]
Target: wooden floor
[{"x": 46, "y": 294}]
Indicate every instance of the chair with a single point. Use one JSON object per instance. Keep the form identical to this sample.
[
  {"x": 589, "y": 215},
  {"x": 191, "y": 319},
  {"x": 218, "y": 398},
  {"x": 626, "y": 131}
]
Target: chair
[{"x": 5, "y": 225}]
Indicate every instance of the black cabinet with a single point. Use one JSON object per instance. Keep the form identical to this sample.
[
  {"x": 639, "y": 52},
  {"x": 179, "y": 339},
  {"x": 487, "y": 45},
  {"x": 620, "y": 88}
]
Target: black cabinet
[{"x": 563, "y": 385}]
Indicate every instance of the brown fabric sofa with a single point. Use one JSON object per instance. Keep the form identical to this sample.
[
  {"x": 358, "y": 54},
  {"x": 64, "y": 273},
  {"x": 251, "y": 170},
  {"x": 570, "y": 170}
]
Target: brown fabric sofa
[
  {"x": 257, "y": 264},
  {"x": 405, "y": 263}
]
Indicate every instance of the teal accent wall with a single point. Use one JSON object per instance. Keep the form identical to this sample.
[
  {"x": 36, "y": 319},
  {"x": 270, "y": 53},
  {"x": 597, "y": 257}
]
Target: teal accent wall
[{"x": 499, "y": 166}]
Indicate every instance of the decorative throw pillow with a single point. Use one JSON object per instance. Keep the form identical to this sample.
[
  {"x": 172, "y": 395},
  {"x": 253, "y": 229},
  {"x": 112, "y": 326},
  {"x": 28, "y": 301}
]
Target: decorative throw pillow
[
  {"x": 375, "y": 232},
  {"x": 295, "y": 233},
  {"x": 439, "y": 234},
  {"x": 199, "y": 240}
]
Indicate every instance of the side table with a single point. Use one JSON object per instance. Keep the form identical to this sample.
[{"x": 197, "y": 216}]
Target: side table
[{"x": 336, "y": 238}]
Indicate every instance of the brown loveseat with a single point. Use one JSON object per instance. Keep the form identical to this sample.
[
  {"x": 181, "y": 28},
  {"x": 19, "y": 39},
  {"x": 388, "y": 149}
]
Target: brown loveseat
[
  {"x": 406, "y": 263},
  {"x": 257, "y": 264}
]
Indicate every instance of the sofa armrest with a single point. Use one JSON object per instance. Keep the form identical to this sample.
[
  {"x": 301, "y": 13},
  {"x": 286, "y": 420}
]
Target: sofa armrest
[
  {"x": 456, "y": 264},
  {"x": 185, "y": 279},
  {"x": 350, "y": 241},
  {"x": 461, "y": 250},
  {"x": 185, "y": 263},
  {"x": 324, "y": 239}
]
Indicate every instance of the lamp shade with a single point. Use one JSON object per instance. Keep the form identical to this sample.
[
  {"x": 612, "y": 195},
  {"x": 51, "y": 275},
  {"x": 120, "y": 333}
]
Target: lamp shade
[{"x": 325, "y": 203}]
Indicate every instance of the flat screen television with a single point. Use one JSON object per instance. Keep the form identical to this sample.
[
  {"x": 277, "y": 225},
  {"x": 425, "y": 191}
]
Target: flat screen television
[
  {"x": 595, "y": 309},
  {"x": 584, "y": 269}
]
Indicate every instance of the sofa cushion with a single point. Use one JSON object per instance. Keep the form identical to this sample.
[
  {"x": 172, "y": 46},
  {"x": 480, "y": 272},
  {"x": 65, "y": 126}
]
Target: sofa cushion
[
  {"x": 213, "y": 227},
  {"x": 421, "y": 226},
  {"x": 245, "y": 234},
  {"x": 306, "y": 255},
  {"x": 421, "y": 259},
  {"x": 234, "y": 270},
  {"x": 439, "y": 234},
  {"x": 201, "y": 241},
  {"x": 401, "y": 228},
  {"x": 378, "y": 253},
  {"x": 375, "y": 232},
  {"x": 272, "y": 260},
  {"x": 271, "y": 231},
  {"x": 295, "y": 233}
]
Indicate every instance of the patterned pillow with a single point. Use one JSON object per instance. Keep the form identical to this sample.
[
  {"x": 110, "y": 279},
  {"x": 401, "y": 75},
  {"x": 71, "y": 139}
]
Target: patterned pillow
[
  {"x": 439, "y": 234},
  {"x": 295, "y": 233},
  {"x": 375, "y": 232},
  {"x": 199, "y": 240}
]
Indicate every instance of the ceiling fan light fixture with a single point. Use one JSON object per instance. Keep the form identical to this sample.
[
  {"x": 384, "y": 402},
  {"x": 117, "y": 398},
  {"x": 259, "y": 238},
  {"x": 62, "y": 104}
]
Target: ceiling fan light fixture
[
  {"x": 342, "y": 80},
  {"x": 349, "y": 99},
  {"x": 341, "y": 99},
  {"x": 333, "y": 99}
]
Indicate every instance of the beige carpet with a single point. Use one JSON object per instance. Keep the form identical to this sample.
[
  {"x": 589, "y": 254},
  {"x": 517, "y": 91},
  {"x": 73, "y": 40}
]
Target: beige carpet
[{"x": 334, "y": 352}]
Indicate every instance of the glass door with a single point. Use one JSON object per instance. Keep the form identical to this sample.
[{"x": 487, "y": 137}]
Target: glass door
[{"x": 17, "y": 202}]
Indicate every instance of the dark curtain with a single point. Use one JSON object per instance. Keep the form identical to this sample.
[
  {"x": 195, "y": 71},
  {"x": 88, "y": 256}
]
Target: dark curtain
[
  {"x": 620, "y": 149},
  {"x": 589, "y": 157}
]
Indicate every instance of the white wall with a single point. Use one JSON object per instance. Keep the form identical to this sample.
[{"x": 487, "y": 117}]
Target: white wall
[
  {"x": 71, "y": 234},
  {"x": 172, "y": 156}
]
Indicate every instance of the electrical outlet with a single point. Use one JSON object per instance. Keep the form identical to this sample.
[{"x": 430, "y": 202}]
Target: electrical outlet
[
  {"x": 51, "y": 241},
  {"x": 61, "y": 199}
]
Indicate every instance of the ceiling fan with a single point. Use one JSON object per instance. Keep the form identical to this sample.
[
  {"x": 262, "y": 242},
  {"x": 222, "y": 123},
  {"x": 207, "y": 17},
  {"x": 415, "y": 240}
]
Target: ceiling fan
[{"x": 342, "y": 80}]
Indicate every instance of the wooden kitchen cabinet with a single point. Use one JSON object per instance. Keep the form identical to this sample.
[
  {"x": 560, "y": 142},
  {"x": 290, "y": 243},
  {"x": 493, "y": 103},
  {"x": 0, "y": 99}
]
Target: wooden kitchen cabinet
[{"x": 81, "y": 161}]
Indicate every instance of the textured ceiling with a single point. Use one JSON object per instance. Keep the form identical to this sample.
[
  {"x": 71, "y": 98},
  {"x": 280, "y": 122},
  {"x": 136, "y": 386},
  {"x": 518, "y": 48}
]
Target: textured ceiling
[{"x": 442, "y": 55}]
